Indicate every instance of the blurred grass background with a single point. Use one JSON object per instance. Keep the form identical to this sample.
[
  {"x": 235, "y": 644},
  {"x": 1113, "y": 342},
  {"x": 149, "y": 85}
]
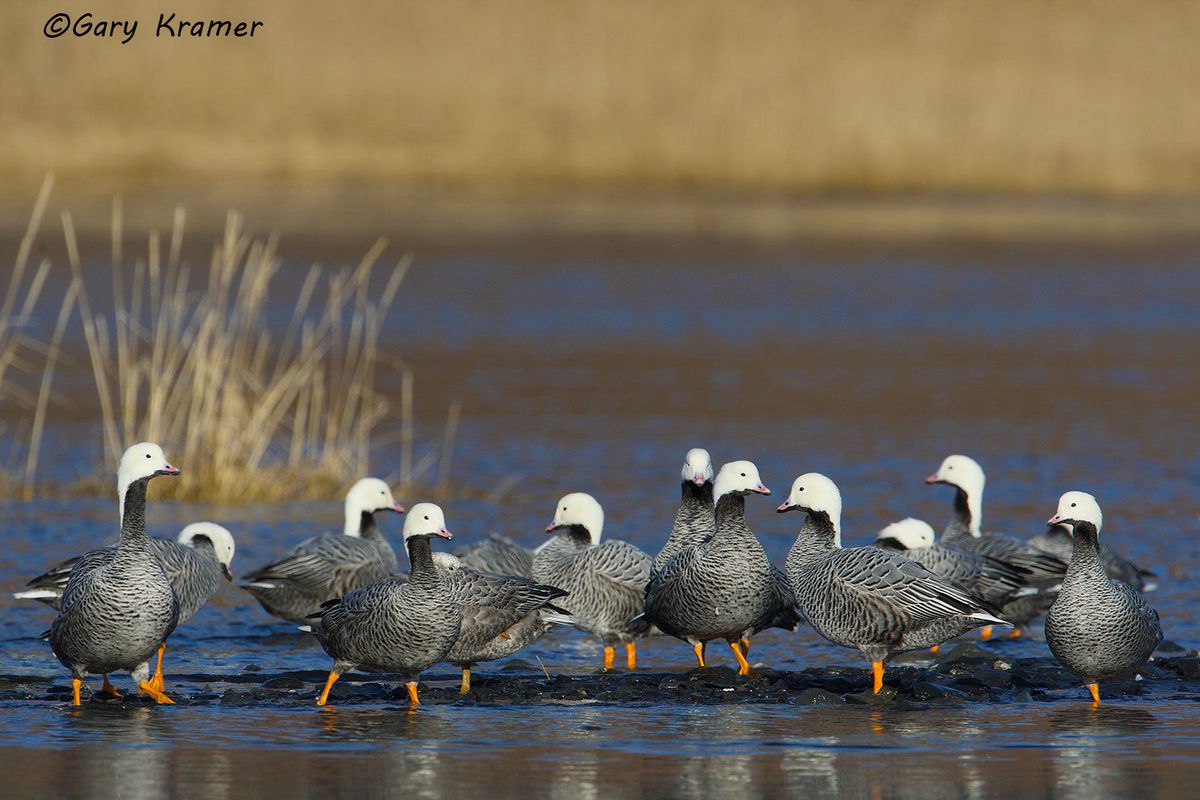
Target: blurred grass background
[{"x": 1095, "y": 98}]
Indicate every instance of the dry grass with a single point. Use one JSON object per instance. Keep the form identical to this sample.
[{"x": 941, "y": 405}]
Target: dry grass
[
  {"x": 926, "y": 95},
  {"x": 189, "y": 358}
]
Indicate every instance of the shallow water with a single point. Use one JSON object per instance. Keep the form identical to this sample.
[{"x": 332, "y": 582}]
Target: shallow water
[{"x": 593, "y": 366}]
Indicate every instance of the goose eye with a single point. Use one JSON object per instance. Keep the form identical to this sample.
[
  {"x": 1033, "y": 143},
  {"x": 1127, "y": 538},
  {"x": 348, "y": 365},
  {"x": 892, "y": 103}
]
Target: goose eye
[
  {"x": 426, "y": 516},
  {"x": 743, "y": 474},
  {"x": 147, "y": 455},
  {"x": 1072, "y": 505}
]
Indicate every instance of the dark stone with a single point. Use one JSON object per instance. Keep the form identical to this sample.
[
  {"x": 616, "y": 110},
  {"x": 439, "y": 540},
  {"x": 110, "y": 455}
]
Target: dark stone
[
  {"x": 868, "y": 698},
  {"x": 520, "y": 665},
  {"x": 994, "y": 678},
  {"x": 818, "y": 697},
  {"x": 252, "y": 668},
  {"x": 927, "y": 690},
  {"x": 965, "y": 652},
  {"x": 1188, "y": 667},
  {"x": 1167, "y": 646},
  {"x": 716, "y": 677},
  {"x": 284, "y": 683}
]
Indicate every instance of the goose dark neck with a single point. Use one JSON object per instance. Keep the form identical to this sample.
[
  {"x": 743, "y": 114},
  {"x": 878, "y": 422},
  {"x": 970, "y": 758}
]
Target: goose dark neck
[
  {"x": 575, "y": 535},
  {"x": 133, "y": 513},
  {"x": 420, "y": 560},
  {"x": 698, "y": 495},
  {"x": 203, "y": 544},
  {"x": 1085, "y": 551},
  {"x": 366, "y": 526},
  {"x": 731, "y": 507},
  {"x": 962, "y": 509},
  {"x": 817, "y": 537}
]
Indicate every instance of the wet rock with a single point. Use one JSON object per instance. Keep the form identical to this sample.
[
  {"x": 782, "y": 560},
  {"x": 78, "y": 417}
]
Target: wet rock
[
  {"x": 716, "y": 677},
  {"x": 993, "y": 678},
  {"x": 928, "y": 690},
  {"x": 1152, "y": 671},
  {"x": 520, "y": 665},
  {"x": 1167, "y": 646},
  {"x": 285, "y": 682},
  {"x": 252, "y": 668},
  {"x": 1042, "y": 674},
  {"x": 818, "y": 697},
  {"x": 965, "y": 652},
  {"x": 886, "y": 696},
  {"x": 1188, "y": 667}
]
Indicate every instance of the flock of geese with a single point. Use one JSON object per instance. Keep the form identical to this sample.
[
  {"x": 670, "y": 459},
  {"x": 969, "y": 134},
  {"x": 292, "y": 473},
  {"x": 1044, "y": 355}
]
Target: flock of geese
[{"x": 712, "y": 581}]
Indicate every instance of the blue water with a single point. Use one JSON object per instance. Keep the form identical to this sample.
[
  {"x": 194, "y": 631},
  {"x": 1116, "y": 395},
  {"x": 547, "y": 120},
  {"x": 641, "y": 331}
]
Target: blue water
[{"x": 594, "y": 367}]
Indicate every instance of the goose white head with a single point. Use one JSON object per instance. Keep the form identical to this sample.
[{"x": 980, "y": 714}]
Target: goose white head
[
  {"x": 964, "y": 472},
  {"x": 140, "y": 462},
  {"x": 581, "y": 509},
  {"x": 425, "y": 519},
  {"x": 366, "y": 497},
  {"x": 738, "y": 477},
  {"x": 697, "y": 467},
  {"x": 813, "y": 493},
  {"x": 221, "y": 538},
  {"x": 1077, "y": 507},
  {"x": 912, "y": 534}
]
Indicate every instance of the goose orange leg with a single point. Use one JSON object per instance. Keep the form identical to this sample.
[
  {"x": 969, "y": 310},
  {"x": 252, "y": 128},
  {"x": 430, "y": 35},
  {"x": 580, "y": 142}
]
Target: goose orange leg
[
  {"x": 156, "y": 680},
  {"x": 609, "y": 655},
  {"x": 466, "y": 681},
  {"x": 158, "y": 696},
  {"x": 324, "y": 698},
  {"x": 1094, "y": 688},
  {"x": 698, "y": 647},
  {"x": 413, "y": 700},
  {"x": 877, "y": 674},
  {"x": 76, "y": 683},
  {"x": 743, "y": 664},
  {"x": 985, "y": 632},
  {"x": 745, "y": 647},
  {"x": 631, "y": 655},
  {"x": 108, "y": 687}
]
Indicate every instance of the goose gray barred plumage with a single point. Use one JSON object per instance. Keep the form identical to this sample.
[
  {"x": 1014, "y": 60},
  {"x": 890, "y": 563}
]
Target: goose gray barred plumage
[
  {"x": 1057, "y": 540},
  {"x": 194, "y": 563},
  {"x": 965, "y": 531},
  {"x": 1098, "y": 628},
  {"x": 605, "y": 582},
  {"x": 497, "y": 555},
  {"x": 725, "y": 587},
  {"x": 118, "y": 609},
  {"x": 695, "y": 522},
  {"x": 328, "y": 566},
  {"x": 401, "y": 624},
  {"x": 500, "y": 613},
  {"x": 863, "y": 597},
  {"x": 989, "y": 580}
]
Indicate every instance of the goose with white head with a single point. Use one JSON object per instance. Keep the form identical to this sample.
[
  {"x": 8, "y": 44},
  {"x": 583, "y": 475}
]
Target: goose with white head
[
  {"x": 402, "y": 624},
  {"x": 878, "y": 602},
  {"x": 694, "y": 521},
  {"x": 987, "y": 579},
  {"x": 117, "y": 610},
  {"x": 1041, "y": 570},
  {"x": 724, "y": 587},
  {"x": 329, "y": 565},
  {"x": 195, "y": 564},
  {"x": 1057, "y": 541},
  {"x": 605, "y": 581},
  {"x": 1098, "y": 628}
]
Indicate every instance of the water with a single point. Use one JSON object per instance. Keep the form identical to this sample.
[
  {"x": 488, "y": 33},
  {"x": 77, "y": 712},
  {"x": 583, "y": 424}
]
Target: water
[{"x": 594, "y": 365}]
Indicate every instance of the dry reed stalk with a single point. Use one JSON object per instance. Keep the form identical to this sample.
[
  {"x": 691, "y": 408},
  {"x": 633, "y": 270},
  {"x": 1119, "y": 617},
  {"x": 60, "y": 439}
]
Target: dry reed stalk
[{"x": 250, "y": 415}]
